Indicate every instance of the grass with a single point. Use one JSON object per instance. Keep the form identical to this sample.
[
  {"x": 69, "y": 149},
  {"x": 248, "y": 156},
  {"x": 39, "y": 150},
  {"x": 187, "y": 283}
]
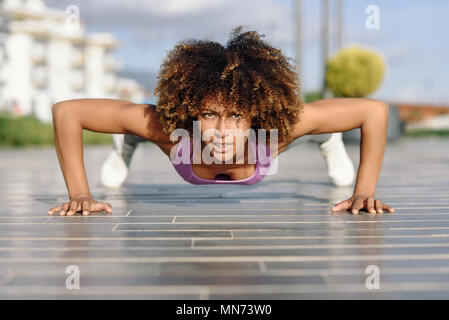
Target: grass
[
  {"x": 30, "y": 131},
  {"x": 427, "y": 133}
]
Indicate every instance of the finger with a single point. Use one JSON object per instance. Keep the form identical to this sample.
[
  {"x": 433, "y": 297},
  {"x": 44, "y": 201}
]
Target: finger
[
  {"x": 379, "y": 206},
  {"x": 108, "y": 208},
  {"x": 86, "y": 207},
  {"x": 358, "y": 204},
  {"x": 343, "y": 205},
  {"x": 73, "y": 207},
  {"x": 96, "y": 206},
  {"x": 54, "y": 209},
  {"x": 65, "y": 207},
  {"x": 370, "y": 205},
  {"x": 387, "y": 207}
]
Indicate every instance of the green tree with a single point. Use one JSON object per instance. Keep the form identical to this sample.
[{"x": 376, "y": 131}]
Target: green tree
[{"x": 354, "y": 72}]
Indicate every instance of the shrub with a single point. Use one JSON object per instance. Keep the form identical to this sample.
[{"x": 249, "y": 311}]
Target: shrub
[
  {"x": 354, "y": 72},
  {"x": 29, "y": 130}
]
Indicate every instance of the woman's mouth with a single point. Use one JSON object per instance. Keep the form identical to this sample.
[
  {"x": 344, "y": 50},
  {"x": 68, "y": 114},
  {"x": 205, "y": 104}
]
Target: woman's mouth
[{"x": 222, "y": 147}]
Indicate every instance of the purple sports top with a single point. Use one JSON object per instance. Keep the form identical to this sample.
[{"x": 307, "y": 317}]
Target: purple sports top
[{"x": 186, "y": 172}]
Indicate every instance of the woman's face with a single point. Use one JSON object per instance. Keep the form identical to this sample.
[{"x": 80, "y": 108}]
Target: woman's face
[{"x": 222, "y": 129}]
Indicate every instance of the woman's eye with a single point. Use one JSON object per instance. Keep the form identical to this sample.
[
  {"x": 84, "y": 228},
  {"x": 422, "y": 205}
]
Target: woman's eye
[
  {"x": 237, "y": 116},
  {"x": 208, "y": 115}
]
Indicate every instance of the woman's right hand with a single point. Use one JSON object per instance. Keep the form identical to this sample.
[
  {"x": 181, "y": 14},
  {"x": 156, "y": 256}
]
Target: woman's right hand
[{"x": 81, "y": 204}]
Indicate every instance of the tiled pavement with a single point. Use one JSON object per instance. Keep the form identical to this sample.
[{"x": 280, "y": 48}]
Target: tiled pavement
[{"x": 278, "y": 239}]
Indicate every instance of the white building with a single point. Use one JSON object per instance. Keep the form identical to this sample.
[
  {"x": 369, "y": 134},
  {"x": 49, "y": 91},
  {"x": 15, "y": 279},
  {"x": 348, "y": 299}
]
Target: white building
[{"x": 46, "y": 56}]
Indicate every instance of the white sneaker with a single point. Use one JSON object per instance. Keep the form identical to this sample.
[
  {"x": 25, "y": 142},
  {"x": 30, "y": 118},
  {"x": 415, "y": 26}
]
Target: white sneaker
[
  {"x": 115, "y": 169},
  {"x": 339, "y": 166}
]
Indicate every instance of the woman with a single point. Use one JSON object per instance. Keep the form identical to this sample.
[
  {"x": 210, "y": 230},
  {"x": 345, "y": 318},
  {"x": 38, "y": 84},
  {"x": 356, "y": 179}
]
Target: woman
[{"x": 223, "y": 94}]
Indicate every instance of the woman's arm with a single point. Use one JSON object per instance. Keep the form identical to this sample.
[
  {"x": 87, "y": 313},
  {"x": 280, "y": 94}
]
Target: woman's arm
[
  {"x": 343, "y": 114},
  {"x": 70, "y": 117}
]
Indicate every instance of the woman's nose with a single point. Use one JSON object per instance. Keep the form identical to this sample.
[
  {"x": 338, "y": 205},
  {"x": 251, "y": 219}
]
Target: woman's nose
[
  {"x": 221, "y": 128},
  {"x": 225, "y": 131}
]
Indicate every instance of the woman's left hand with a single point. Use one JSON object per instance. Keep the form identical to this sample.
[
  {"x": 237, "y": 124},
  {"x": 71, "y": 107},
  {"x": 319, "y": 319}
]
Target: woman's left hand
[{"x": 358, "y": 202}]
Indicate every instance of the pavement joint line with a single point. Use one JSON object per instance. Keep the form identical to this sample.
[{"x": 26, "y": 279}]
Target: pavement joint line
[
  {"x": 420, "y": 208},
  {"x": 232, "y": 209},
  {"x": 56, "y": 223},
  {"x": 398, "y": 228},
  {"x": 339, "y": 237},
  {"x": 228, "y": 215},
  {"x": 281, "y": 230},
  {"x": 250, "y": 272},
  {"x": 235, "y": 247},
  {"x": 187, "y": 230},
  {"x": 271, "y": 200},
  {"x": 288, "y": 258},
  {"x": 223, "y": 238},
  {"x": 339, "y": 215},
  {"x": 225, "y": 222},
  {"x": 397, "y": 203},
  {"x": 206, "y": 209},
  {"x": 110, "y": 239},
  {"x": 394, "y": 221},
  {"x": 24, "y": 217},
  {"x": 225, "y": 272},
  {"x": 324, "y": 246}
]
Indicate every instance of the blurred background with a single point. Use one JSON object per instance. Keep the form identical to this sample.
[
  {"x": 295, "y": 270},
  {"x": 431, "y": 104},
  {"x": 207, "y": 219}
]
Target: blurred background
[{"x": 55, "y": 50}]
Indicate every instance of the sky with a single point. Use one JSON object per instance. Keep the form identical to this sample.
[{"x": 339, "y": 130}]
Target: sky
[{"x": 412, "y": 35}]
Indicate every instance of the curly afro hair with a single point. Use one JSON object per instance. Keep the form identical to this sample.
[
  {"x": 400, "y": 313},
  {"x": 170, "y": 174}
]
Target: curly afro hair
[{"x": 254, "y": 78}]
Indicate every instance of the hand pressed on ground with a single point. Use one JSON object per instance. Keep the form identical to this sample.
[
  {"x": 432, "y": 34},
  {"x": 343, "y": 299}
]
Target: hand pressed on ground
[
  {"x": 81, "y": 204},
  {"x": 359, "y": 202}
]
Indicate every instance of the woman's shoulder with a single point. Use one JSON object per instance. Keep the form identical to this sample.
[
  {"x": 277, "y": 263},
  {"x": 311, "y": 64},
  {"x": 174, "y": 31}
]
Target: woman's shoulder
[
  {"x": 143, "y": 121},
  {"x": 184, "y": 142},
  {"x": 276, "y": 146}
]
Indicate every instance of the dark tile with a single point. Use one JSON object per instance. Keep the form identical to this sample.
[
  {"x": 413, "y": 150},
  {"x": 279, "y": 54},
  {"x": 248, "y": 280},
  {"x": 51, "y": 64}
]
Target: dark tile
[{"x": 231, "y": 226}]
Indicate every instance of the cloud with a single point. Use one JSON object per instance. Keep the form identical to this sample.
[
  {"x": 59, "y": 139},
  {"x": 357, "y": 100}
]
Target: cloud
[
  {"x": 163, "y": 8},
  {"x": 155, "y": 20}
]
